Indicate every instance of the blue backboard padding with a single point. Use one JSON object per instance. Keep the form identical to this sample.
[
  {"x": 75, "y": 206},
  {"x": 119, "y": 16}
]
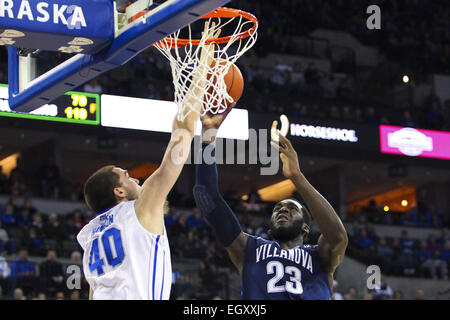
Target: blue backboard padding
[
  {"x": 13, "y": 67},
  {"x": 77, "y": 18},
  {"x": 158, "y": 26},
  {"x": 83, "y": 68}
]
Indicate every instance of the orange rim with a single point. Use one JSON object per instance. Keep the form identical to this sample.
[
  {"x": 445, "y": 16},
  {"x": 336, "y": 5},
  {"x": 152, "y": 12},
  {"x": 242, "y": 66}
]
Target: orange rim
[{"x": 221, "y": 12}]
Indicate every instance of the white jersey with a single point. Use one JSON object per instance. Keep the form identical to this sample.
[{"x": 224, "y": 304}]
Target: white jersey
[{"x": 122, "y": 260}]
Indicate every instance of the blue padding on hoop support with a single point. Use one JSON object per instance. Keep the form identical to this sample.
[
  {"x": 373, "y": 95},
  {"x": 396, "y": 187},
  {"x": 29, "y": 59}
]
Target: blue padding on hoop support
[{"x": 83, "y": 67}]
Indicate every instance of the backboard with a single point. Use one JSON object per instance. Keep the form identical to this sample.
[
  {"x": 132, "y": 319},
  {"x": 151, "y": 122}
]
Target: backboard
[{"x": 104, "y": 34}]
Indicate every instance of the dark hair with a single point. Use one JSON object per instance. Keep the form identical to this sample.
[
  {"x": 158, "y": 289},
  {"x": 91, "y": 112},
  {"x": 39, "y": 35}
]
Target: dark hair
[{"x": 98, "y": 190}]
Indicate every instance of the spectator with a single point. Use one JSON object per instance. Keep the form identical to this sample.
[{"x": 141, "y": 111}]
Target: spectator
[
  {"x": 372, "y": 212},
  {"x": 254, "y": 228},
  {"x": 78, "y": 219},
  {"x": 59, "y": 295},
  {"x": 41, "y": 296},
  {"x": 336, "y": 294},
  {"x": 280, "y": 76},
  {"x": 181, "y": 288},
  {"x": 74, "y": 295},
  {"x": 254, "y": 199},
  {"x": 433, "y": 245},
  {"x": 371, "y": 116},
  {"x": 371, "y": 294},
  {"x": 180, "y": 226},
  {"x": 9, "y": 217},
  {"x": 23, "y": 273},
  {"x": 170, "y": 218},
  {"x": 53, "y": 229},
  {"x": 364, "y": 241},
  {"x": 51, "y": 274},
  {"x": 352, "y": 294},
  {"x": 18, "y": 294},
  {"x": 75, "y": 258},
  {"x": 419, "y": 295},
  {"x": 425, "y": 258},
  {"x": 445, "y": 236},
  {"x": 34, "y": 243},
  {"x": 28, "y": 204},
  {"x": 385, "y": 255},
  {"x": 406, "y": 258},
  {"x": 297, "y": 77},
  {"x": 384, "y": 290},
  {"x": 407, "y": 120},
  {"x": 312, "y": 80},
  {"x": 445, "y": 260},
  {"x": 210, "y": 283},
  {"x": 37, "y": 223},
  {"x": 398, "y": 295},
  {"x": 153, "y": 93},
  {"x": 195, "y": 219},
  {"x": 49, "y": 178},
  {"x": 70, "y": 229},
  {"x": 23, "y": 218},
  {"x": 5, "y": 271},
  {"x": 4, "y": 238}
]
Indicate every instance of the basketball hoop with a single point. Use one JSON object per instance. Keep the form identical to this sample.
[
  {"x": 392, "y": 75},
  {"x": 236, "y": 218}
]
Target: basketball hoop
[{"x": 184, "y": 57}]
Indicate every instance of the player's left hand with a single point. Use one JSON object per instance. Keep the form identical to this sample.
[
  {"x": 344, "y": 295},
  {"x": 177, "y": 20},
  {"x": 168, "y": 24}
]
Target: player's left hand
[{"x": 288, "y": 156}]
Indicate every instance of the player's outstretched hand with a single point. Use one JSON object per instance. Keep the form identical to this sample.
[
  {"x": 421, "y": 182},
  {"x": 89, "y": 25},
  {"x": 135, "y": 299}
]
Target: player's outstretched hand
[
  {"x": 288, "y": 155},
  {"x": 212, "y": 122}
]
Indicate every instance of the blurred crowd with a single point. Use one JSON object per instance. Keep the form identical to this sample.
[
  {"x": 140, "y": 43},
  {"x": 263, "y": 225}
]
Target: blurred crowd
[
  {"x": 414, "y": 32},
  {"x": 385, "y": 292},
  {"x": 45, "y": 182}
]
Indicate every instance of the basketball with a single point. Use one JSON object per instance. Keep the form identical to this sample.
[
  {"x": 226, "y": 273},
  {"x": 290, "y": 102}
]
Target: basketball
[{"x": 235, "y": 85}]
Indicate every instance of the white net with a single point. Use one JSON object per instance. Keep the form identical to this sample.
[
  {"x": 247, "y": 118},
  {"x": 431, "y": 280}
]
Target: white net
[{"x": 186, "y": 62}]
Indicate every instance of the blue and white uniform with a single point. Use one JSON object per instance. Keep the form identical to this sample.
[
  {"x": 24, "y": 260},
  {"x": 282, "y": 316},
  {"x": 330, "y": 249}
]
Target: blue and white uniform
[
  {"x": 124, "y": 261},
  {"x": 272, "y": 273}
]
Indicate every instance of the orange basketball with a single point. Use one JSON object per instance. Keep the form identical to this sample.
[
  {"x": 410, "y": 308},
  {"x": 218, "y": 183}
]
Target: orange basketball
[{"x": 235, "y": 85}]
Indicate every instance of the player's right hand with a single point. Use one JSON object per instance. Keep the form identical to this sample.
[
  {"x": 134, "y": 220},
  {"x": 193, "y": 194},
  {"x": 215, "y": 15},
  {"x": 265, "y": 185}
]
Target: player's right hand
[{"x": 288, "y": 156}]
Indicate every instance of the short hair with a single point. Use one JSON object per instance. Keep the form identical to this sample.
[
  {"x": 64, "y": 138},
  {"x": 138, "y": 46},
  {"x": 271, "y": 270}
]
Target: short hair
[{"x": 99, "y": 189}]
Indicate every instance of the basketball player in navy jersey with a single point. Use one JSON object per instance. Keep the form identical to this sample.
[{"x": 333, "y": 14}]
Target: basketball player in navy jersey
[{"x": 285, "y": 268}]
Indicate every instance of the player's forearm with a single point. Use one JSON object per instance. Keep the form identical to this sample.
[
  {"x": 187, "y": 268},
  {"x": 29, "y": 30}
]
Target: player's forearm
[
  {"x": 192, "y": 105},
  {"x": 189, "y": 124},
  {"x": 329, "y": 223},
  {"x": 211, "y": 204}
]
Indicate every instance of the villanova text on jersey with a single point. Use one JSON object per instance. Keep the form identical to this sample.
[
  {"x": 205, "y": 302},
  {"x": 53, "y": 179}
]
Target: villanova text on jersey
[{"x": 273, "y": 273}]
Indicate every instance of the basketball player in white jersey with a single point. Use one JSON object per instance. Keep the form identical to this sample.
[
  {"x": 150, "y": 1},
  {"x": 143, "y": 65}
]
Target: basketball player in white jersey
[{"x": 126, "y": 250}]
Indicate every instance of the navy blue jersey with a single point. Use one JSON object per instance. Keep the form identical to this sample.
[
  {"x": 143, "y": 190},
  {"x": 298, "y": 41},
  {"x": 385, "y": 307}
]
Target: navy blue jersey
[{"x": 271, "y": 273}]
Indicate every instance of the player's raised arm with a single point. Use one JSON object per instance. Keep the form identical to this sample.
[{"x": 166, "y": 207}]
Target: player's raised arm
[
  {"x": 149, "y": 206},
  {"x": 210, "y": 202},
  {"x": 333, "y": 241}
]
